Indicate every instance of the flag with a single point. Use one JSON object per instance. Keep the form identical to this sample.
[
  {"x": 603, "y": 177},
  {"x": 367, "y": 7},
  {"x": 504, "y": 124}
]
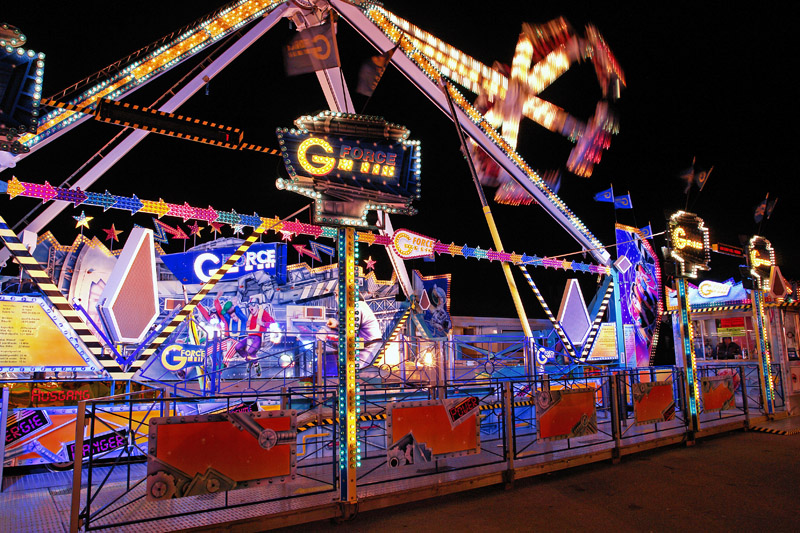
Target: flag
[
  {"x": 695, "y": 175},
  {"x": 623, "y": 202},
  {"x": 771, "y": 207},
  {"x": 310, "y": 50},
  {"x": 372, "y": 71},
  {"x": 647, "y": 231},
  {"x": 701, "y": 177},
  {"x": 605, "y": 196},
  {"x": 760, "y": 210}
]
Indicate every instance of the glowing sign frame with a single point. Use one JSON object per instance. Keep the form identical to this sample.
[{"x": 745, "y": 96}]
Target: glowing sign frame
[
  {"x": 760, "y": 268},
  {"x": 689, "y": 243},
  {"x": 350, "y": 165},
  {"x": 92, "y": 365}
]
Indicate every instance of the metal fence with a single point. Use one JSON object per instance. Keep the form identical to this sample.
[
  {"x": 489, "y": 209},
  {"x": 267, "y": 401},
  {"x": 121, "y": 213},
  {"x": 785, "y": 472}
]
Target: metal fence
[{"x": 515, "y": 438}]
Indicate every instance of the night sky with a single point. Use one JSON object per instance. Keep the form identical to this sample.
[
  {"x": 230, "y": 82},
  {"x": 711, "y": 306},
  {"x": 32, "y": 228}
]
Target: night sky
[{"x": 702, "y": 83}]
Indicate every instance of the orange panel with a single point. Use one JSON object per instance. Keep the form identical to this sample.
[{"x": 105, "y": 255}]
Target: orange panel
[
  {"x": 194, "y": 447},
  {"x": 656, "y": 404},
  {"x": 567, "y": 412},
  {"x": 431, "y": 426},
  {"x": 717, "y": 394}
]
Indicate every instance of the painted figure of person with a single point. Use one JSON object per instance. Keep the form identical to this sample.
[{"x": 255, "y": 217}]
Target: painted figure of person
[{"x": 258, "y": 322}]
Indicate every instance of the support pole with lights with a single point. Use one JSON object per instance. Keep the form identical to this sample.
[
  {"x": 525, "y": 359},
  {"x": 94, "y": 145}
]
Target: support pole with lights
[{"x": 349, "y": 390}]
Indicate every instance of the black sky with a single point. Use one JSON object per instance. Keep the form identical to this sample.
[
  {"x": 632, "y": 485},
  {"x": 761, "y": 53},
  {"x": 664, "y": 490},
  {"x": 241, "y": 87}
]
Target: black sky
[{"x": 707, "y": 82}]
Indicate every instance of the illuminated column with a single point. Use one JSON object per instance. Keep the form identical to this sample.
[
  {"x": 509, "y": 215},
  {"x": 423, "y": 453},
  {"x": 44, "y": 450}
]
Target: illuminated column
[
  {"x": 689, "y": 247},
  {"x": 688, "y": 354},
  {"x": 765, "y": 359},
  {"x": 349, "y": 391},
  {"x": 761, "y": 260}
]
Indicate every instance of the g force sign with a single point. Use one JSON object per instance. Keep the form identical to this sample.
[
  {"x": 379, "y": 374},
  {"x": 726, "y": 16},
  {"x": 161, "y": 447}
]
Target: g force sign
[
  {"x": 384, "y": 166},
  {"x": 197, "y": 266},
  {"x": 179, "y": 356}
]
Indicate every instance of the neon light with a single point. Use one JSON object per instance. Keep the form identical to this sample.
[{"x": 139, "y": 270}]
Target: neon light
[
  {"x": 130, "y": 76},
  {"x": 712, "y": 289},
  {"x": 161, "y": 208},
  {"x": 678, "y": 237},
  {"x": 688, "y": 350},
  {"x": 326, "y": 162}
]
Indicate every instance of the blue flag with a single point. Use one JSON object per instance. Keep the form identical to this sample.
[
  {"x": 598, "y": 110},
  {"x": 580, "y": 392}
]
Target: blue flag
[
  {"x": 623, "y": 202},
  {"x": 647, "y": 231},
  {"x": 605, "y": 196}
]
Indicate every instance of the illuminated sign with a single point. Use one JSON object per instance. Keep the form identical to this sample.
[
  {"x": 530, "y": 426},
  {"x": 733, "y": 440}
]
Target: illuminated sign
[
  {"x": 688, "y": 241},
  {"x": 179, "y": 356},
  {"x": 352, "y": 159},
  {"x": 411, "y": 245},
  {"x": 605, "y": 344},
  {"x": 378, "y": 164},
  {"x": 27, "y": 422},
  {"x": 33, "y": 337},
  {"x": 462, "y": 409},
  {"x": 727, "y": 249},
  {"x": 197, "y": 266},
  {"x": 106, "y": 442},
  {"x": 544, "y": 355},
  {"x": 350, "y": 165},
  {"x": 712, "y": 289},
  {"x": 761, "y": 257}
]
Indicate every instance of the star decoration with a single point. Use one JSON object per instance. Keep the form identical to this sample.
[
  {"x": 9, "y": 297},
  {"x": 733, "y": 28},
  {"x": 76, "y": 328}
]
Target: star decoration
[
  {"x": 82, "y": 220},
  {"x": 238, "y": 228},
  {"x": 286, "y": 235},
  {"x": 370, "y": 263},
  {"x": 216, "y": 227},
  {"x": 112, "y": 233},
  {"x": 195, "y": 229}
]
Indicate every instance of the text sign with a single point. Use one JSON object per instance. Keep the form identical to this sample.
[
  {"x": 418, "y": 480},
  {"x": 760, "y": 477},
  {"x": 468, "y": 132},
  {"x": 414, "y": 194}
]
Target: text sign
[
  {"x": 462, "y": 409},
  {"x": 197, "y": 266},
  {"x": 727, "y": 249},
  {"x": 30, "y": 422},
  {"x": 383, "y": 165},
  {"x": 761, "y": 258},
  {"x": 411, "y": 245},
  {"x": 106, "y": 442},
  {"x": 688, "y": 242},
  {"x": 179, "y": 356},
  {"x": 712, "y": 289}
]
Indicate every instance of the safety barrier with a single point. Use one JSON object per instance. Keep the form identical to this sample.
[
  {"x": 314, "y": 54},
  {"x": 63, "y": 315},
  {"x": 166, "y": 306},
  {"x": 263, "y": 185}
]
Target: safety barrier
[{"x": 492, "y": 431}]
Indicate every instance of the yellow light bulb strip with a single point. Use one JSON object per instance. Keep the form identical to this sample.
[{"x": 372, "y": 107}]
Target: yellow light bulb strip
[
  {"x": 165, "y": 57},
  {"x": 400, "y": 36}
]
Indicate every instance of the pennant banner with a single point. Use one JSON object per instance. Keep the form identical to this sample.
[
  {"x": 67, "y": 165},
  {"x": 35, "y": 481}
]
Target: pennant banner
[
  {"x": 310, "y": 50},
  {"x": 411, "y": 245},
  {"x": 623, "y": 202},
  {"x": 604, "y": 196}
]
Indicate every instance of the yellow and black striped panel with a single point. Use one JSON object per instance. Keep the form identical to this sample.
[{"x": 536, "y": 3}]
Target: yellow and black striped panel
[
  {"x": 69, "y": 107},
  {"x": 189, "y": 308},
  {"x": 382, "y": 416},
  {"x": 145, "y": 118},
  {"x": 775, "y": 431},
  {"x": 49, "y": 289},
  {"x": 257, "y": 148},
  {"x": 331, "y": 421}
]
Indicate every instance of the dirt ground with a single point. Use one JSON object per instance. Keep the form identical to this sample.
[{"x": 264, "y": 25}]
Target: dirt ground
[{"x": 742, "y": 481}]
